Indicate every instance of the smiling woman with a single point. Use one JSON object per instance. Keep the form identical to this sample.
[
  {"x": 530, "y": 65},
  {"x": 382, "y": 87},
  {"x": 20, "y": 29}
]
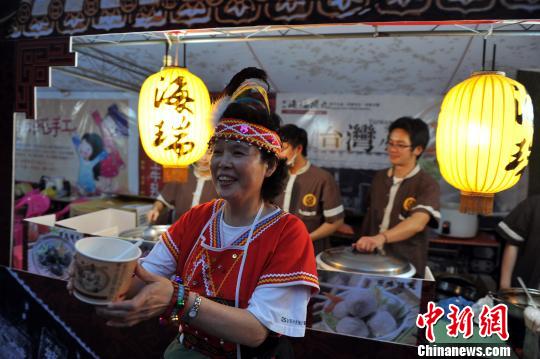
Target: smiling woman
[{"x": 211, "y": 249}]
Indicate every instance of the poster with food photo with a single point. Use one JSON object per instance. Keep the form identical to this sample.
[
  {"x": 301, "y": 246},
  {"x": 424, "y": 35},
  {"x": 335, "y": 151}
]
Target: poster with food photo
[{"x": 373, "y": 307}]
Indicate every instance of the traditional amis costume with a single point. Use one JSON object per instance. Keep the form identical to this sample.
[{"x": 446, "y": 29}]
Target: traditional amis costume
[
  {"x": 277, "y": 254},
  {"x": 267, "y": 268}
]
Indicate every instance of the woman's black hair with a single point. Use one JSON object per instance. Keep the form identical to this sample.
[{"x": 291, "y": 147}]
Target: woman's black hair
[
  {"x": 272, "y": 186},
  {"x": 257, "y": 112},
  {"x": 95, "y": 141}
]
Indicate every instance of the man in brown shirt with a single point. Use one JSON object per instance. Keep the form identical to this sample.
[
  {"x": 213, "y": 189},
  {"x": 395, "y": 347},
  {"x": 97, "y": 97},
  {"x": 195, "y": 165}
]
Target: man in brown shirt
[
  {"x": 180, "y": 197},
  {"x": 311, "y": 193},
  {"x": 403, "y": 199},
  {"x": 520, "y": 231}
]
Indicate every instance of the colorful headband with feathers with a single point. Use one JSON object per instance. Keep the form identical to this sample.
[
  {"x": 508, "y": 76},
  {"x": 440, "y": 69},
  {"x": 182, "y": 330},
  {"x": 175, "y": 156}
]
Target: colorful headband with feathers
[{"x": 250, "y": 89}]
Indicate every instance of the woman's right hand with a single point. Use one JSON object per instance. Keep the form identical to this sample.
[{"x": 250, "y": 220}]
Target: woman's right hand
[
  {"x": 152, "y": 215},
  {"x": 152, "y": 300}
]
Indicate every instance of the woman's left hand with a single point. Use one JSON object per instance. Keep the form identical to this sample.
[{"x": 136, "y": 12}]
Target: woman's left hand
[{"x": 151, "y": 301}]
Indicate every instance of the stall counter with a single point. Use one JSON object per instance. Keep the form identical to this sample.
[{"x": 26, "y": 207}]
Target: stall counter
[{"x": 147, "y": 340}]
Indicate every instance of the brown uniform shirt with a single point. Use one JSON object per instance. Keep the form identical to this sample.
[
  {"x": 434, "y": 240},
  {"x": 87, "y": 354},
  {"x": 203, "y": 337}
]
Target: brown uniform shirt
[
  {"x": 313, "y": 195},
  {"x": 521, "y": 228},
  {"x": 418, "y": 192},
  {"x": 179, "y": 196}
]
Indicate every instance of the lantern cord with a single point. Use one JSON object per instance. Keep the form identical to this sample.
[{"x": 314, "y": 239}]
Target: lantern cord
[
  {"x": 185, "y": 55},
  {"x": 493, "y": 58},
  {"x": 166, "y": 53},
  {"x": 176, "y": 57},
  {"x": 168, "y": 45},
  {"x": 484, "y": 55}
]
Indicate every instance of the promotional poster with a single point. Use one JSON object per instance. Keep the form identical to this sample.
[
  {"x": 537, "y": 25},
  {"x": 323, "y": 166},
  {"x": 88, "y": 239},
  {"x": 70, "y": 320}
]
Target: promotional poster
[{"x": 86, "y": 139}]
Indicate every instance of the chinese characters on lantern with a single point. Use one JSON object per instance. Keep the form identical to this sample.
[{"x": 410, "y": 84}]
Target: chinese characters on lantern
[
  {"x": 518, "y": 158},
  {"x": 491, "y": 321},
  {"x": 171, "y": 134}
]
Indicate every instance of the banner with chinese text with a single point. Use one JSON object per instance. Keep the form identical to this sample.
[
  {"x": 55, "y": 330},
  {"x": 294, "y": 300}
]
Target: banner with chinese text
[
  {"x": 350, "y": 131},
  {"x": 91, "y": 140},
  {"x": 150, "y": 175}
]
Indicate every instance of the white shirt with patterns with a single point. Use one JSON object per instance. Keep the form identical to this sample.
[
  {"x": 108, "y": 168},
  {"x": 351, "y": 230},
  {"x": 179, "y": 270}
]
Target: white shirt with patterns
[{"x": 282, "y": 310}]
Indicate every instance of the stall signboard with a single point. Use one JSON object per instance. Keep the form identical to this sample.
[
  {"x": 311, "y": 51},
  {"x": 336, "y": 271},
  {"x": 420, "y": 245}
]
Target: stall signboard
[
  {"x": 368, "y": 306},
  {"x": 87, "y": 139},
  {"x": 350, "y": 131},
  {"x": 150, "y": 176}
]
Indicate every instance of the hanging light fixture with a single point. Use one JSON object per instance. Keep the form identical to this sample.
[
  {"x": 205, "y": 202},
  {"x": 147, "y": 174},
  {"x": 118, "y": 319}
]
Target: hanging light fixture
[
  {"x": 484, "y": 137},
  {"x": 173, "y": 119}
]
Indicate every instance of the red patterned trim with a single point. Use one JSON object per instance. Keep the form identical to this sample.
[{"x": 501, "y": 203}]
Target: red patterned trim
[
  {"x": 279, "y": 278},
  {"x": 171, "y": 246}
]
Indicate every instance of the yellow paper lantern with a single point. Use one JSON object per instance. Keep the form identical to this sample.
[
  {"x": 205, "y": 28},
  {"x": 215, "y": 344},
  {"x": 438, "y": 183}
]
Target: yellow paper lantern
[
  {"x": 484, "y": 137},
  {"x": 173, "y": 119}
]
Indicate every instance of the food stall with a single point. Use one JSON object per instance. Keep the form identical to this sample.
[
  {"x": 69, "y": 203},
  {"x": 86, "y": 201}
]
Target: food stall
[{"x": 329, "y": 62}]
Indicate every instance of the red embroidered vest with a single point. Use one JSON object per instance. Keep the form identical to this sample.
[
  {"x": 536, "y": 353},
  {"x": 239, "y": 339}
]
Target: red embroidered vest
[{"x": 212, "y": 271}]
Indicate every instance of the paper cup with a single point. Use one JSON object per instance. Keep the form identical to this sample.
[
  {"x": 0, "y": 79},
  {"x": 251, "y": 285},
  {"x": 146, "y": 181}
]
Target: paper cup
[{"x": 99, "y": 277}]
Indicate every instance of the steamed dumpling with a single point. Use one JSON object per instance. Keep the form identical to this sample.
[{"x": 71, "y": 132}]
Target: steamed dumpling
[
  {"x": 393, "y": 306},
  {"x": 341, "y": 310},
  {"x": 361, "y": 302},
  {"x": 352, "y": 326},
  {"x": 381, "y": 323}
]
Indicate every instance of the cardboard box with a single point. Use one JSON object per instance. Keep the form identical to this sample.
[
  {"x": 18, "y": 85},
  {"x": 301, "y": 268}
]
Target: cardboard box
[
  {"x": 107, "y": 222},
  {"x": 138, "y": 206},
  {"x": 50, "y": 244},
  {"x": 140, "y": 212}
]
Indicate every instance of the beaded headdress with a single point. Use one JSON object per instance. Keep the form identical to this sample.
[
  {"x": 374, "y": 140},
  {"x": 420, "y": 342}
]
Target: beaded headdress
[
  {"x": 238, "y": 130},
  {"x": 249, "y": 88}
]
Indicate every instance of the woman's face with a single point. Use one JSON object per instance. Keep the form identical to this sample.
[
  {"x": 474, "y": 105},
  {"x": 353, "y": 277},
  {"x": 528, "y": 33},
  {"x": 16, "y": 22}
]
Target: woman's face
[
  {"x": 238, "y": 170},
  {"x": 85, "y": 149}
]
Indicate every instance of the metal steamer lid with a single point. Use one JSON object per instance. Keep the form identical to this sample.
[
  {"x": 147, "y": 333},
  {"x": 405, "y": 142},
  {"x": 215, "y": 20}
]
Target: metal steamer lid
[{"x": 347, "y": 259}]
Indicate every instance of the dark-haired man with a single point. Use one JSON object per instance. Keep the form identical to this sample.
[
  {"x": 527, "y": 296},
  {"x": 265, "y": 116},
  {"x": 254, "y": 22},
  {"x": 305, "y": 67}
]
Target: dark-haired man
[
  {"x": 520, "y": 231},
  {"x": 311, "y": 193},
  {"x": 403, "y": 199}
]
